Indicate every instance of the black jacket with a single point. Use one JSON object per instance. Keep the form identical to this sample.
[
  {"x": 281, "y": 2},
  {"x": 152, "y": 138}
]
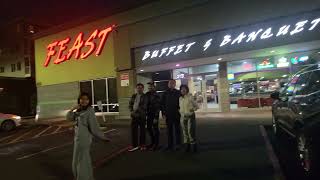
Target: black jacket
[
  {"x": 170, "y": 103},
  {"x": 141, "y": 111},
  {"x": 153, "y": 104}
]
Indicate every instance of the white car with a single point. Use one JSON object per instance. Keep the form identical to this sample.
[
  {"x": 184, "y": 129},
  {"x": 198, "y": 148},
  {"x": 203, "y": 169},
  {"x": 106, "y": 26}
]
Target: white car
[{"x": 9, "y": 121}]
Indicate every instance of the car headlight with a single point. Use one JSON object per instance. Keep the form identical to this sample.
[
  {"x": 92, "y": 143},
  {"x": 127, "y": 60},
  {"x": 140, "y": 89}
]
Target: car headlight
[{"x": 17, "y": 117}]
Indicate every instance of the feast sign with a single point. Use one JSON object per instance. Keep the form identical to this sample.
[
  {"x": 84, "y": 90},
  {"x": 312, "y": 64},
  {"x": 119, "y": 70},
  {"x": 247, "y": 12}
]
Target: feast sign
[
  {"x": 275, "y": 32},
  {"x": 63, "y": 50}
]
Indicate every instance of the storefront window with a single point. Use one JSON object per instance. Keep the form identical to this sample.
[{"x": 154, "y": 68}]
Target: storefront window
[
  {"x": 100, "y": 90},
  {"x": 252, "y": 81}
]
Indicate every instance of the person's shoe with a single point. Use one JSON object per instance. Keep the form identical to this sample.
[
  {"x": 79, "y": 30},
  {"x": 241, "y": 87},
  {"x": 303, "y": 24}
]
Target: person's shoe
[
  {"x": 132, "y": 149},
  {"x": 194, "y": 148},
  {"x": 177, "y": 148},
  {"x": 187, "y": 148},
  {"x": 143, "y": 148}
]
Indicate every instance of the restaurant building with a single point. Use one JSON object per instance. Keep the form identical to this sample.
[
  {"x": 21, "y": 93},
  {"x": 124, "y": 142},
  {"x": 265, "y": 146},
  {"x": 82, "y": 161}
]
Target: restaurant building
[{"x": 231, "y": 55}]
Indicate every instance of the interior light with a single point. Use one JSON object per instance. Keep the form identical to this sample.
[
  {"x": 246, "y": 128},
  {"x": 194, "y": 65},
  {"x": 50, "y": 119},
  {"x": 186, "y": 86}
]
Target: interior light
[
  {"x": 141, "y": 70},
  {"x": 219, "y": 59},
  {"x": 177, "y": 65}
]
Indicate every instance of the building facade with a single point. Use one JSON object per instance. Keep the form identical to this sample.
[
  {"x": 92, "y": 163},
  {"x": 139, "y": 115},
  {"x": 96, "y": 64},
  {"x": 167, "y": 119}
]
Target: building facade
[
  {"x": 17, "y": 79},
  {"x": 231, "y": 54}
]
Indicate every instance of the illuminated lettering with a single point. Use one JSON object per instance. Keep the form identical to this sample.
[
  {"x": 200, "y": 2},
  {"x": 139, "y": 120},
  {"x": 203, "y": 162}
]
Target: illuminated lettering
[
  {"x": 252, "y": 36},
  {"x": 146, "y": 55},
  {"x": 226, "y": 40},
  {"x": 239, "y": 38},
  {"x": 266, "y": 34},
  {"x": 163, "y": 51},
  {"x": 60, "y": 58},
  {"x": 76, "y": 47},
  {"x": 154, "y": 54},
  {"x": 51, "y": 52},
  {"x": 171, "y": 49},
  {"x": 103, "y": 35},
  {"x": 299, "y": 27},
  {"x": 283, "y": 30},
  {"x": 91, "y": 44},
  {"x": 189, "y": 46},
  {"x": 314, "y": 23},
  {"x": 179, "y": 49},
  {"x": 207, "y": 44}
]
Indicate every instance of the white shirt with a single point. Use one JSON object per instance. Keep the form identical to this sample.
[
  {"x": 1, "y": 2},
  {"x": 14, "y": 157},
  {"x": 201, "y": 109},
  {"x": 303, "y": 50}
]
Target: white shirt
[{"x": 187, "y": 105}]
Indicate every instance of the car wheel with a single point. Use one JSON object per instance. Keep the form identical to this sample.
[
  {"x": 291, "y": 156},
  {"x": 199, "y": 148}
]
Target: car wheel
[
  {"x": 306, "y": 154},
  {"x": 8, "y": 125}
]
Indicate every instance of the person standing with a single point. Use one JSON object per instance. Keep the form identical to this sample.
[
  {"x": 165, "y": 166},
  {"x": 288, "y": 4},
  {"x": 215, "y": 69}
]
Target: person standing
[
  {"x": 188, "y": 118},
  {"x": 153, "y": 109},
  {"x": 86, "y": 126},
  {"x": 137, "y": 107},
  {"x": 170, "y": 112}
]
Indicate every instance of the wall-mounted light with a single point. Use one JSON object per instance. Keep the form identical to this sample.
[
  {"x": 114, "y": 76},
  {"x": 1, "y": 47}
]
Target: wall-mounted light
[
  {"x": 219, "y": 59},
  {"x": 177, "y": 65},
  {"x": 141, "y": 70}
]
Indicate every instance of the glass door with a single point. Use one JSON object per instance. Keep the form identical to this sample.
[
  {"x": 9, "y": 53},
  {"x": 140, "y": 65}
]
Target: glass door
[{"x": 204, "y": 90}]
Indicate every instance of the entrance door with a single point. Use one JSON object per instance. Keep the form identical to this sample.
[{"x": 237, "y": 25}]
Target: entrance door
[{"x": 204, "y": 89}]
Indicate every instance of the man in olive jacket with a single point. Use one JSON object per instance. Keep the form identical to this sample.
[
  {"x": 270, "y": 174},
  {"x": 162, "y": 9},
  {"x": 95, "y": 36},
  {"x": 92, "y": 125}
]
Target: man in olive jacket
[{"x": 138, "y": 106}]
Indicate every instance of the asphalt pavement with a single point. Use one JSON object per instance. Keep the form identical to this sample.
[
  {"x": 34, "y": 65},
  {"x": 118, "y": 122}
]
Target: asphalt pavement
[{"x": 230, "y": 147}]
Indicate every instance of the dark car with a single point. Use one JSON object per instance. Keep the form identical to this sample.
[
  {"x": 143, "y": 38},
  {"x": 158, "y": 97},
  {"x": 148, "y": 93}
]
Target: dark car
[{"x": 296, "y": 111}]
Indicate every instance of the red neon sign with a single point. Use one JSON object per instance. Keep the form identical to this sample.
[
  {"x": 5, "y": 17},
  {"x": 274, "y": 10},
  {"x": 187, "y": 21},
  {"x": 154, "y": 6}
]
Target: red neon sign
[{"x": 77, "y": 47}]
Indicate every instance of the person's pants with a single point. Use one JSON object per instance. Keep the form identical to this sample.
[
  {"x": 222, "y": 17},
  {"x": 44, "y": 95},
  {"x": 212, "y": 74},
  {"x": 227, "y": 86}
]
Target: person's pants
[
  {"x": 188, "y": 124},
  {"x": 153, "y": 129},
  {"x": 81, "y": 163},
  {"x": 173, "y": 128},
  {"x": 136, "y": 125}
]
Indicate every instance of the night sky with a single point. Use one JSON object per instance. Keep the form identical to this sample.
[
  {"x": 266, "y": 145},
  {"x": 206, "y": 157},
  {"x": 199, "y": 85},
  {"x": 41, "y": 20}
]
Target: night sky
[{"x": 55, "y": 12}]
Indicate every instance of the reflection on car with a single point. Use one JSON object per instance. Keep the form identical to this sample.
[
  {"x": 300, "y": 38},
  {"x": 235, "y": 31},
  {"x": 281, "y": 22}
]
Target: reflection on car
[{"x": 9, "y": 122}]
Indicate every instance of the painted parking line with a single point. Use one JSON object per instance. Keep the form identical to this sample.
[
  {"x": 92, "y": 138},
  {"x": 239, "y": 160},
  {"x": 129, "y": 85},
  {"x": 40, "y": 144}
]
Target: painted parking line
[
  {"x": 57, "y": 130},
  {"x": 278, "y": 174},
  {"x": 23, "y": 135},
  {"x": 8, "y": 137},
  {"x": 42, "y": 132},
  {"x": 43, "y": 151},
  {"x": 52, "y": 148}
]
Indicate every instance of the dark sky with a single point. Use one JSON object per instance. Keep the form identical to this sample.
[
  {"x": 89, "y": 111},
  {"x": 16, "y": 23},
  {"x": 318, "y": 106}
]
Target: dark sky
[{"x": 56, "y": 12}]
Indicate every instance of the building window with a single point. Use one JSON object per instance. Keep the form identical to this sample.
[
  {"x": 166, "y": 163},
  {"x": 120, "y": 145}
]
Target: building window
[
  {"x": 1, "y": 69},
  {"x": 19, "y": 66},
  {"x": 102, "y": 90},
  {"x": 27, "y": 65},
  {"x": 13, "y": 67}
]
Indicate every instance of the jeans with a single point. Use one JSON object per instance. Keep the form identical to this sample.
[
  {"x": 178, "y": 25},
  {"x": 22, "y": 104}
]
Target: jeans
[
  {"x": 153, "y": 129},
  {"x": 136, "y": 125},
  {"x": 188, "y": 124}
]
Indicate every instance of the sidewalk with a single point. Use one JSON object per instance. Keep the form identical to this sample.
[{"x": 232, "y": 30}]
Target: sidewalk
[{"x": 248, "y": 114}]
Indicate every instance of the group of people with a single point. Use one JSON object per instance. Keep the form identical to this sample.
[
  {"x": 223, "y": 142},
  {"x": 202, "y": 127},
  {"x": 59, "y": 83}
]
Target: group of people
[{"x": 178, "y": 110}]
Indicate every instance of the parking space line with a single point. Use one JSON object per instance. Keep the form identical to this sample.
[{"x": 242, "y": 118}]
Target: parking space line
[
  {"x": 278, "y": 174},
  {"x": 43, "y": 151},
  {"x": 55, "y": 131},
  {"x": 5, "y": 138},
  {"x": 42, "y": 132},
  {"x": 23, "y": 135},
  {"x": 52, "y": 148}
]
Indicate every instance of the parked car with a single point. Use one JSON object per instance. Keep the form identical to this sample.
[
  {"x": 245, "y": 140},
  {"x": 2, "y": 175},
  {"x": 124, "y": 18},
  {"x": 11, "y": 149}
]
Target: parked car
[
  {"x": 9, "y": 122},
  {"x": 296, "y": 112}
]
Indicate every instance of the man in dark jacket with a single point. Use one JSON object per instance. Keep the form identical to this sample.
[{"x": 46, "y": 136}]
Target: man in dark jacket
[
  {"x": 153, "y": 109},
  {"x": 170, "y": 112},
  {"x": 137, "y": 106}
]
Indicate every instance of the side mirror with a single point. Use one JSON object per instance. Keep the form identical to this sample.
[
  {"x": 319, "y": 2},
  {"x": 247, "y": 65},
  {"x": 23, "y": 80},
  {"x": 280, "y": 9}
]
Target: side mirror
[{"x": 275, "y": 95}]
